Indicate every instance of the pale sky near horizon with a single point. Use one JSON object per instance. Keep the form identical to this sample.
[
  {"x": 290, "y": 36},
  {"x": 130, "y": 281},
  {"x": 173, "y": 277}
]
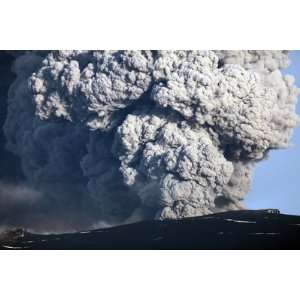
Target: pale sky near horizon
[{"x": 276, "y": 180}]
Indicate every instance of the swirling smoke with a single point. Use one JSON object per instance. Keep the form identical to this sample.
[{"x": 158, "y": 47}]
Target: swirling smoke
[{"x": 120, "y": 136}]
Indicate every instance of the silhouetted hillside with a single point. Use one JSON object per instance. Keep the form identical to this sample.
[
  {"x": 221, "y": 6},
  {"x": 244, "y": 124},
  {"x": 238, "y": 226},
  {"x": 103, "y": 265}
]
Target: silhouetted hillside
[{"x": 266, "y": 229}]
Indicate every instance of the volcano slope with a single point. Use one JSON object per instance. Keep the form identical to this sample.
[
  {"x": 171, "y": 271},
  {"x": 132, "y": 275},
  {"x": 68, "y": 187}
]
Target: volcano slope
[{"x": 248, "y": 229}]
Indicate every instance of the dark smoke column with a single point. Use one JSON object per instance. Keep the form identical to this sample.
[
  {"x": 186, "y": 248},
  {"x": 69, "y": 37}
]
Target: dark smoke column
[{"x": 148, "y": 134}]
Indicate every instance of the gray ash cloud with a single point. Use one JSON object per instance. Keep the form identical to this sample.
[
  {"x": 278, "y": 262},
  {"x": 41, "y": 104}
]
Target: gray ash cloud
[{"x": 130, "y": 135}]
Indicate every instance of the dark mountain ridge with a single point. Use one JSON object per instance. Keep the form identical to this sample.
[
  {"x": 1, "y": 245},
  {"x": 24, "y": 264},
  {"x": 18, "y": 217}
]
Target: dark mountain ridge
[{"x": 247, "y": 229}]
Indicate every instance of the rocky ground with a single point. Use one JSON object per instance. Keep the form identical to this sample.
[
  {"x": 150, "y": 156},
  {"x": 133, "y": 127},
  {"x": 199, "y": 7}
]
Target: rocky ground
[{"x": 267, "y": 229}]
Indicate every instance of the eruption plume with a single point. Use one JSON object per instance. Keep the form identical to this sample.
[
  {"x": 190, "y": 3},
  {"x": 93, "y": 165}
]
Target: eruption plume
[{"x": 130, "y": 135}]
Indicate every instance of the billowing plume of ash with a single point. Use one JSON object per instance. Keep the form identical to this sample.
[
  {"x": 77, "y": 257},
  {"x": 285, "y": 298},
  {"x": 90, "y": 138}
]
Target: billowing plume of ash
[{"x": 148, "y": 134}]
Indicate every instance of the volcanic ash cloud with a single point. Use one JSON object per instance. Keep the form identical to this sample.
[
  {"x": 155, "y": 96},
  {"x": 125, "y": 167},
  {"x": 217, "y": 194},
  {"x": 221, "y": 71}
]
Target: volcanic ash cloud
[{"x": 148, "y": 134}]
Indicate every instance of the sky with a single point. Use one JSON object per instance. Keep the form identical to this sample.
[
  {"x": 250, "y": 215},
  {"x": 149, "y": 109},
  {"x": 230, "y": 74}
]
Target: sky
[{"x": 276, "y": 180}]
